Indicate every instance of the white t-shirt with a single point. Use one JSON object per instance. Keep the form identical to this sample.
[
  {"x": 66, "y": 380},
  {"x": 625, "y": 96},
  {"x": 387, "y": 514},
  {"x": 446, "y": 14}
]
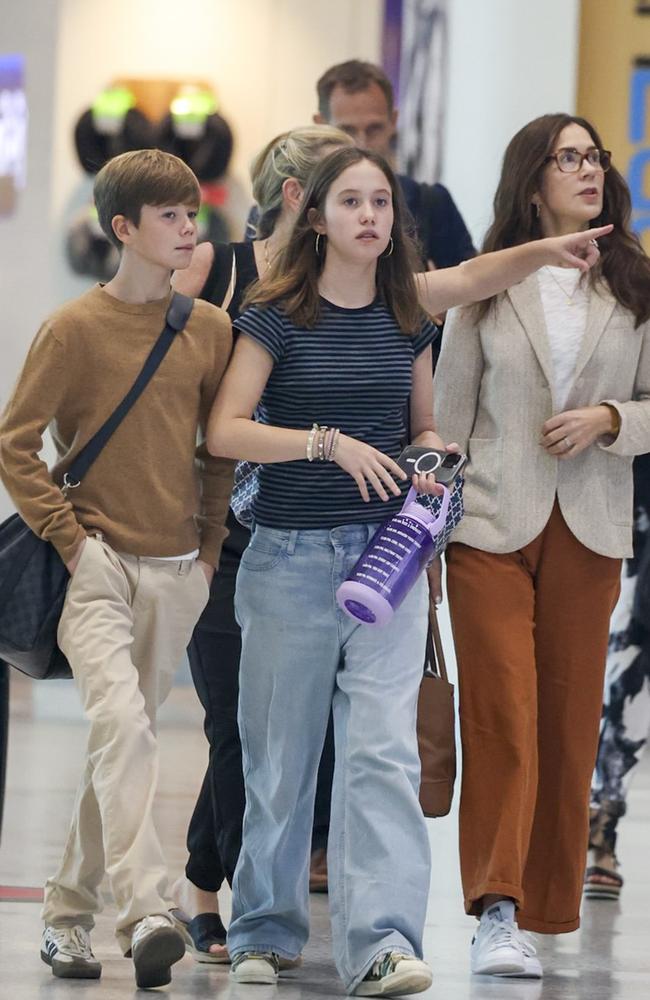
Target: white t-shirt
[
  {"x": 565, "y": 301},
  {"x": 187, "y": 555}
]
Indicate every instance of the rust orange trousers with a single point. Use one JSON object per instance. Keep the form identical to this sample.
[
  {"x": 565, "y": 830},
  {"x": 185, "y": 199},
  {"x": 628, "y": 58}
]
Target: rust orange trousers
[{"x": 531, "y": 630}]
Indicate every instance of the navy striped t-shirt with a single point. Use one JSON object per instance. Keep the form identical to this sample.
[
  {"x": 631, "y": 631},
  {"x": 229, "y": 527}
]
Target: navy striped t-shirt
[{"x": 353, "y": 371}]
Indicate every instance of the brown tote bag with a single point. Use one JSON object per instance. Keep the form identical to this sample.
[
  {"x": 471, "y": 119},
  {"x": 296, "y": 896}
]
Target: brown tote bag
[{"x": 436, "y": 727}]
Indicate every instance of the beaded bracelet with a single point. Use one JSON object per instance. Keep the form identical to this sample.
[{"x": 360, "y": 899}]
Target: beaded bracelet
[
  {"x": 310, "y": 442},
  {"x": 329, "y": 437},
  {"x": 322, "y": 442},
  {"x": 332, "y": 449}
]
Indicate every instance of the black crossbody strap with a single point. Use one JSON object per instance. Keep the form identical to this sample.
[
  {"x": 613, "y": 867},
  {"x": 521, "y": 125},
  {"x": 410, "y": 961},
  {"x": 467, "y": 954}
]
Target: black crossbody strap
[{"x": 176, "y": 319}]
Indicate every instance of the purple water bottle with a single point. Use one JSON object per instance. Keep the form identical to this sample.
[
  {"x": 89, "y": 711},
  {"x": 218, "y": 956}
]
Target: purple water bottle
[{"x": 394, "y": 558}]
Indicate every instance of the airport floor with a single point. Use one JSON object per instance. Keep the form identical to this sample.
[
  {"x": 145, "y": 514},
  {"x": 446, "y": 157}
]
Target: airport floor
[{"x": 609, "y": 957}]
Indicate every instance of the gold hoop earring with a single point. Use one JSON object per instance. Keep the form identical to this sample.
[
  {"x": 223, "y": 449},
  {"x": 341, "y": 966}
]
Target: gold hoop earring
[
  {"x": 391, "y": 245},
  {"x": 317, "y": 244}
]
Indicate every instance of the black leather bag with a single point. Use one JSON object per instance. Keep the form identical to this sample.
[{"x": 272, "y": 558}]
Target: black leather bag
[{"x": 33, "y": 577}]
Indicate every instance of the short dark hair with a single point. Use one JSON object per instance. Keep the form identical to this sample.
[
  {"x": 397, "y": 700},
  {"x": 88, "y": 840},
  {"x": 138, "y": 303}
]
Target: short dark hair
[
  {"x": 141, "y": 177},
  {"x": 353, "y": 75}
]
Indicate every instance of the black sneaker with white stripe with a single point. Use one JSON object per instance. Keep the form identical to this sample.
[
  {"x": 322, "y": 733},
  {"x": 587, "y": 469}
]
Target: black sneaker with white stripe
[
  {"x": 155, "y": 946},
  {"x": 67, "y": 950}
]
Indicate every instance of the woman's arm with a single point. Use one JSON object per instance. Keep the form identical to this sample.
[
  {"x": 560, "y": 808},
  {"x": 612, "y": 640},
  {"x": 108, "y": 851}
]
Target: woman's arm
[
  {"x": 568, "y": 433},
  {"x": 492, "y": 273},
  {"x": 422, "y": 429},
  {"x": 423, "y": 432},
  {"x": 232, "y": 432},
  {"x": 619, "y": 427},
  {"x": 457, "y": 382},
  {"x": 191, "y": 280}
]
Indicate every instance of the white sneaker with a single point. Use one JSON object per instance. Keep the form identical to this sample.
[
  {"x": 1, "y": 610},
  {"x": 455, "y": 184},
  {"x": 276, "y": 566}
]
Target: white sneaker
[
  {"x": 255, "y": 967},
  {"x": 394, "y": 974},
  {"x": 496, "y": 947},
  {"x": 155, "y": 946},
  {"x": 67, "y": 950},
  {"x": 532, "y": 965}
]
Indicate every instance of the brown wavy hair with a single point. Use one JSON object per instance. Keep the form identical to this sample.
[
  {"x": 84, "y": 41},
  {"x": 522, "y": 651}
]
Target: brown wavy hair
[
  {"x": 292, "y": 279},
  {"x": 623, "y": 264}
]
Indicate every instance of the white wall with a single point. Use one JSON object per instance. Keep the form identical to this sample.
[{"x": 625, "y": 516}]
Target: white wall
[
  {"x": 25, "y": 251},
  {"x": 263, "y": 58},
  {"x": 509, "y": 61},
  {"x": 25, "y": 237}
]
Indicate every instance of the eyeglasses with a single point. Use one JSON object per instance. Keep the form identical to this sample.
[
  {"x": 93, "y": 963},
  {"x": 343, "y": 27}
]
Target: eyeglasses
[{"x": 569, "y": 161}]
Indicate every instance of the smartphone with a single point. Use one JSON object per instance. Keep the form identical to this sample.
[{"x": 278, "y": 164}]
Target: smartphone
[{"x": 445, "y": 465}]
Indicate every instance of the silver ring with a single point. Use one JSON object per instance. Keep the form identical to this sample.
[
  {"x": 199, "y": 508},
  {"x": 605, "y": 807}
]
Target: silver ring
[
  {"x": 568, "y": 443},
  {"x": 594, "y": 242}
]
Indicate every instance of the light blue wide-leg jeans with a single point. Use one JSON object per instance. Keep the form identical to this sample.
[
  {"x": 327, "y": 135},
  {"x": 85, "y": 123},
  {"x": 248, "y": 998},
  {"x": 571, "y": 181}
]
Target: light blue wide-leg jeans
[{"x": 294, "y": 641}]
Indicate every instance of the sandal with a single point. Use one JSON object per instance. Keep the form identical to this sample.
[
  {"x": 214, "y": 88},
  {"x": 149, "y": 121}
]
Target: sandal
[
  {"x": 206, "y": 929},
  {"x": 596, "y": 888},
  {"x": 199, "y": 933}
]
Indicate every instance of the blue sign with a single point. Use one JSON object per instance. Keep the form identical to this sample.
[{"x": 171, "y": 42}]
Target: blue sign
[
  {"x": 13, "y": 131},
  {"x": 639, "y": 136}
]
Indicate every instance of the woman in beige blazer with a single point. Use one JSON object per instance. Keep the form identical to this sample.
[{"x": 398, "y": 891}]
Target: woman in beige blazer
[{"x": 547, "y": 387}]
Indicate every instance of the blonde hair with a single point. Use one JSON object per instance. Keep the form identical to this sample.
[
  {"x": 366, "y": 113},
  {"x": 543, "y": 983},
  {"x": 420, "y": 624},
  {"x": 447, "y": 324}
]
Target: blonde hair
[{"x": 290, "y": 154}]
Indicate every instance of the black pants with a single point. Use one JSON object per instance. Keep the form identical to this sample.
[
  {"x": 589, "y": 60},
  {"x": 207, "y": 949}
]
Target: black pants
[{"x": 214, "y": 834}]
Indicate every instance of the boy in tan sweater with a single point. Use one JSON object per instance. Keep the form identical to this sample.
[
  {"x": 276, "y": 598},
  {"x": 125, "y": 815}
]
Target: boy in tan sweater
[{"x": 141, "y": 537}]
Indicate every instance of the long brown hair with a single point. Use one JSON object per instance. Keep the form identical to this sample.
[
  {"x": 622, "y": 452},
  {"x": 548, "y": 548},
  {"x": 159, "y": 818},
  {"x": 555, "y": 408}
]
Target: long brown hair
[
  {"x": 623, "y": 263},
  {"x": 294, "y": 273}
]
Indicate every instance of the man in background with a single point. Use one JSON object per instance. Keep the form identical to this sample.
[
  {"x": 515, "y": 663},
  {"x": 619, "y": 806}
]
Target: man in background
[{"x": 357, "y": 97}]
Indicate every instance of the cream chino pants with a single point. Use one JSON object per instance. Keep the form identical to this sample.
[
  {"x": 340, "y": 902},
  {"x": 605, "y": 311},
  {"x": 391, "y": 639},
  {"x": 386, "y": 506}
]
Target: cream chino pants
[{"x": 125, "y": 625}]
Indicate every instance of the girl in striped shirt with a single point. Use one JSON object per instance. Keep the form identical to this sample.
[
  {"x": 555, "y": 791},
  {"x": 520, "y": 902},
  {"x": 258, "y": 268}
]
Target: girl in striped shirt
[{"x": 334, "y": 346}]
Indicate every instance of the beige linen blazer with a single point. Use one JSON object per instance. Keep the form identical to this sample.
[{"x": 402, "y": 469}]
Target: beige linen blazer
[{"x": 493, "y": 392}]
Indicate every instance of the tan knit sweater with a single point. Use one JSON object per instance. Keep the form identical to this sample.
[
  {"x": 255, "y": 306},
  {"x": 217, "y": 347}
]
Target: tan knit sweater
[{"x": 151, "y": 492}]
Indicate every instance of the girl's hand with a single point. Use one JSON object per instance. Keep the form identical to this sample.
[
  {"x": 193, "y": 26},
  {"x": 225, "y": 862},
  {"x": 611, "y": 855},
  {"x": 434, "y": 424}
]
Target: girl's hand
[
  {"x": 426, "y": 483},
  {"x": 567, "y": 434},
  {"x": 577, "y": 250},
  {"x": 363, "y": 462}
]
